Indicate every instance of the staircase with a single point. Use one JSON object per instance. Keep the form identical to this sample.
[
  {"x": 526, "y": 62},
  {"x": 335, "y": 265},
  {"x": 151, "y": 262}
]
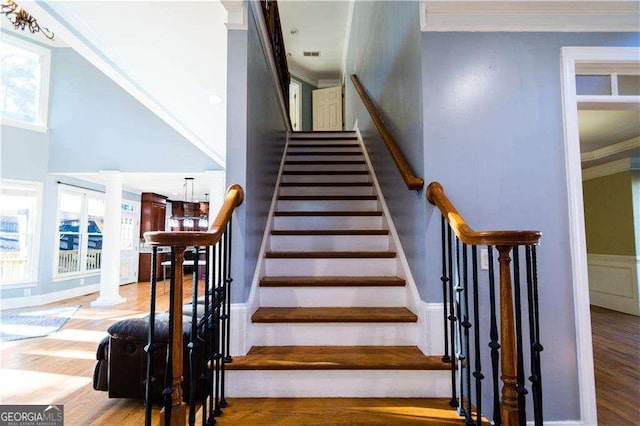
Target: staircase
[{"x": 333, "y": 319}]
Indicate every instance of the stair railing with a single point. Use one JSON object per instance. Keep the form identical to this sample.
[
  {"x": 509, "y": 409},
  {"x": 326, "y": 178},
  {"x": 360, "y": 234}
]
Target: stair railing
[
  {"x": 208, "y": 324},
  {"x": 518, "y": 288},
  {"x": 413, "y": 182},
  {"x": 274, "y": 28}
]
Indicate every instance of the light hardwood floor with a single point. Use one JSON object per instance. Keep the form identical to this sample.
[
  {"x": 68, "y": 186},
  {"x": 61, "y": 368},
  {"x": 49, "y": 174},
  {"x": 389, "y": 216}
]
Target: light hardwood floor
[{"x": 59, "y": 368}]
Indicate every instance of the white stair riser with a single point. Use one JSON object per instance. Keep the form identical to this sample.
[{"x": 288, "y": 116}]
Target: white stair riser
[
  {"x": 329, "y": 242},
  {"x": 328, "y": 205},
  {"x": 335, "y": 148},
  {"x": 324, "y": 178},
  {"x": 323, "y": 139},
  {"x": 334, "y": 334},
  {"x": 338, "y": 383},
  {"x": 327, "y": 222},
  {"x": 327, "y": 190},
  {"x": 330, "y": 267},
  {"x": 354, "y": 157},
  {"x": 337, "y": 297},
  {"x": 325, "y": 167}
]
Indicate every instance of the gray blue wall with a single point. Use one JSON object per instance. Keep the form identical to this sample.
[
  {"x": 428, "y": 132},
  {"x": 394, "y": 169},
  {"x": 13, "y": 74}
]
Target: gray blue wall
[
  {"x": 493, "y": 136},
  {"x": 384, "y": 51},
  {"x": 93, "y": 125},
  {"x": 307, "y": 104},
  {"x": 254, "y": 151}
]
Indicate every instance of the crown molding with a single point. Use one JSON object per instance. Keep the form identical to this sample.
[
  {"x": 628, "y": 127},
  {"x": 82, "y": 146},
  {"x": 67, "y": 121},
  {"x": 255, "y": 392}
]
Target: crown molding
[
  {"x": 300, "y": 74},
  {"x": 610, "y": 150},
  {"x": 607, "y": 169},
  {"x": 527, "y": 15},
  {"x": 236, "y": 14}
]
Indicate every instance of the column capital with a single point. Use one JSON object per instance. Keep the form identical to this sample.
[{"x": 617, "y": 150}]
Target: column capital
[{"x": 236, "y": 14}]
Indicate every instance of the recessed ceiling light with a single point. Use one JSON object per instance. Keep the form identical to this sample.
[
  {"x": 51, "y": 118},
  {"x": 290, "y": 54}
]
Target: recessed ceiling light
[
  {"x": 215, "y": 99},
  {"x": 293, "y": 31}
]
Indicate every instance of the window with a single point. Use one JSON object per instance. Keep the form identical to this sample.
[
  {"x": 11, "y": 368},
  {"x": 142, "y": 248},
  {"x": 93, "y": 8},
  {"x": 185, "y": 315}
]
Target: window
[
  {"x": 19, "y": 228},
  {"x": 24, "y": 83},
  {"x": 80, "y": 228}
]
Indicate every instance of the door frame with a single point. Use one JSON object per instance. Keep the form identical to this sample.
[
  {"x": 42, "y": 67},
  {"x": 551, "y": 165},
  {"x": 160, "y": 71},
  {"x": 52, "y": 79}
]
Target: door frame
[
  {"x": 297, "y": 103},
  {"x": 569, "y": 57}
]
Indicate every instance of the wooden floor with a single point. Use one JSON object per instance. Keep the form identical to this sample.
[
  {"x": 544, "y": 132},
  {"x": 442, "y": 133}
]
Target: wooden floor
[
  {"x": 616, "y": 355},
  {"x": 58, "y": 369}
]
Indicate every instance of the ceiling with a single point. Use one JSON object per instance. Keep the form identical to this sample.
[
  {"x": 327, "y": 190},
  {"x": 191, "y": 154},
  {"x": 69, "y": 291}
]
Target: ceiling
[
  {"x": 321, "y": 26},
  {"x": 602, "y": 128}
]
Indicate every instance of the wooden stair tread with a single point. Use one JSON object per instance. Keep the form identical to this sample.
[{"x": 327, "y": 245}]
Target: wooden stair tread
[
  {"x": 322, "y": 162},
  {"x": 315, "y": 281},
  {"x": 330, "y": 255},
  {"x": 327, "y": 315},
  {"x": 324, "y": 172},
  {"x": 324, "y": 138},
  {"x": 328, "y": 184},
  {"x": 328, "y": 197},
  {"x": 328, "y": 213},
  {"x": 340, "y": 411},
  {"x": 335, "y": 153},
  {"x": 331, "y": 232},
  {"x": 324, "y": 145},
  {"x": 337, "y": 358}
]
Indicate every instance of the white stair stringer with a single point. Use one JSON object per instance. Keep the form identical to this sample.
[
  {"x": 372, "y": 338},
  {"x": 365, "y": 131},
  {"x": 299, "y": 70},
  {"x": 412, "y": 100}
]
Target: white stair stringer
[{"x": 338, "y": 383}]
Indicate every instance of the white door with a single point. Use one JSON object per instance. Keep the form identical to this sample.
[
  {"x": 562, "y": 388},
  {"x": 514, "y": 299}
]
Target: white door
[
  {"x": 129, "y": 231},
  {"x": 294, "y": 104},
  {"x": 327, "y": 109}
]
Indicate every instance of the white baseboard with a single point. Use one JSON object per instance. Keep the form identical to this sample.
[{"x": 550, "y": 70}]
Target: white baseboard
[
  {"x": 431, "y": 340},
  {"x": 239, "y": 332},
  {"x": 42, "y": 299},
  {"x": 613, "y": 282},
  {"x": 563, "y": 423}
]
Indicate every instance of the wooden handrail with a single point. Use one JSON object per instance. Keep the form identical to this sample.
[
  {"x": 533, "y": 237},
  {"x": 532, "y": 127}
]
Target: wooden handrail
[
  {"x": 437, "y": 197},
  {"x": 234, "y": 198},
  {"x": 413, "y": 182}
]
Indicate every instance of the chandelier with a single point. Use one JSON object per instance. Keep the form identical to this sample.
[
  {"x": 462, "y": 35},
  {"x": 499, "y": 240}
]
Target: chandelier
[{"x": 21, "y": 19}]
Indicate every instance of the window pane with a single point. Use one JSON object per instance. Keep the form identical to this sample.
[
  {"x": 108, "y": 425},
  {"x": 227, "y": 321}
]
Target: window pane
[
  {"x": 20, "y": 81},
  {"x": 69, "y": 254},
  {"x": 629, "y": 85},
  {"x": 593, "y": 85},
  {"x": 95, "y": 225},
  {"x": 17, "y": 221}
]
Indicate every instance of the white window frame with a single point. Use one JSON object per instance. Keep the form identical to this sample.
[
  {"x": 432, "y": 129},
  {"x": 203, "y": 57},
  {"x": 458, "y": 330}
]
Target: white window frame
[
  {"x": 34, "y": 230},
  {"x": 84, "y": 235},
  {"x": 43, "y": 93}
]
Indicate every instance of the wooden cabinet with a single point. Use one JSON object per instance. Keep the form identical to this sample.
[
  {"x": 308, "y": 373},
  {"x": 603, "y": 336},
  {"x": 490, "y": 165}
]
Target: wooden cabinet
[{"x": 153, "y": 212}]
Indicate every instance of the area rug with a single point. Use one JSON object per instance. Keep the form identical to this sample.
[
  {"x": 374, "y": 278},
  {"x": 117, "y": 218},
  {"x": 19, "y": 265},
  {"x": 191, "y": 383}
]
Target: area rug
[{"x": 19, "y": 324}]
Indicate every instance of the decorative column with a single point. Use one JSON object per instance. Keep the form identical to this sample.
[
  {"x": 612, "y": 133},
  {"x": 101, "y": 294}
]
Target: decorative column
[{"x": 110, "y": 267}]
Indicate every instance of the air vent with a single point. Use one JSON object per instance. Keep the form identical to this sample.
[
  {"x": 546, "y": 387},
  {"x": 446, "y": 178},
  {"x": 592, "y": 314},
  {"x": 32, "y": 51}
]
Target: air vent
[{"x": 316, "y": 53}]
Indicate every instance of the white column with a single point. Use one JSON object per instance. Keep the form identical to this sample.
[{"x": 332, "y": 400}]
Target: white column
[
  {"x": 217, "y": 192},
  {"x": 110, "y": 267}
]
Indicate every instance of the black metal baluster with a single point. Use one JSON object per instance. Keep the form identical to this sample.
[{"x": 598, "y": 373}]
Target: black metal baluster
[
  {"x": 445, "y": 279},
  {"x": 168, "y": 382},
  {"x": 229, "y": 280},
  {"x": 225, "y": 317},
  {"x": 150, "y": 347},
  {"x": 213, "y": 332},
  {"x": 193, "y": 341},
  {"x": 459, "y": 332},
  {"x": 219, "y": 294},
  {"x": 520, "y": 388},
  {"x": 536, "y": 346},
  {"x": 495, "y": 343},
  {"x": 452, "y": 321},
  {"x": 205, "y": 378},
  {"x": 477, "y": 373},
  {"x": 466, "y": 325}
]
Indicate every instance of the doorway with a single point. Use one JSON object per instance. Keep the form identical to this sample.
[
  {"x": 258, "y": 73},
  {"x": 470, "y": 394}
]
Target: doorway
[{"x": 576, "y": 60}]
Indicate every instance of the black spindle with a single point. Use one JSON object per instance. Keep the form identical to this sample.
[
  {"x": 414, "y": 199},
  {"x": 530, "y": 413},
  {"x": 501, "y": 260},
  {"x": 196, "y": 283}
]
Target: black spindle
[
  {"x": 459, "y": 332},
  {"x": 452, "y": 321},
  {"x": 520, "y": 388},
  {"x": 150, "y": 347},
  {"x": 193, "y": 344},
  {"x": 444, "y": 278},
  {"x": 228, "y": 280},
  {"x": 494, "y": 344},
  {"x": 534, "y": 327},
  {"x": 168, "y": 382},
  {"x": 477, "y": 373},
  {"x": 466, "y": 325}
]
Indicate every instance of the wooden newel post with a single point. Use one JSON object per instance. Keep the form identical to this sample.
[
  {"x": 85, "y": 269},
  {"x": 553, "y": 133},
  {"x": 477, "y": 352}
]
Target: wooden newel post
[
  {"x": 508, "y": 365},
  {"x": 178, "y": 407}
]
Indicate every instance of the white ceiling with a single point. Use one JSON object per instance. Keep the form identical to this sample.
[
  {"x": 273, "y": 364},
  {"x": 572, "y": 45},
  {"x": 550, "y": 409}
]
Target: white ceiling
[
  {"x": 170, "y": 55},
  {"x": 321, "y": 27},
  {"x": 603, "y": 128}
]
